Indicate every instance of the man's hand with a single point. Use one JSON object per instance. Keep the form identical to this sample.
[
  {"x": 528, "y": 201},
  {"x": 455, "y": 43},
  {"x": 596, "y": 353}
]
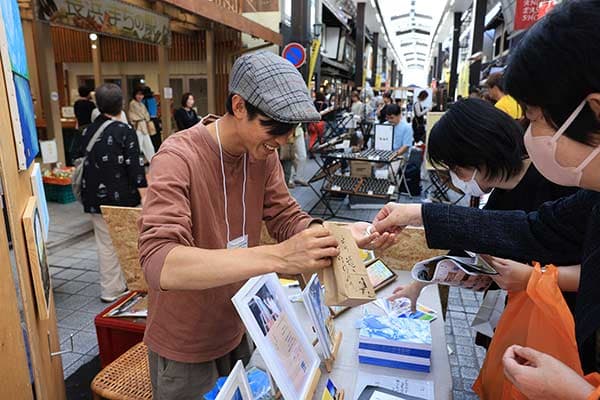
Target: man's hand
[
  {"x": 512, "y": 276},
  {"x": 394, "y": 217},
  {"x": 307, "y": 251},
  {"x": 410, "y": 291},
  {"x": 540, "y": 376},
  {"x": 373, "y": 240}
]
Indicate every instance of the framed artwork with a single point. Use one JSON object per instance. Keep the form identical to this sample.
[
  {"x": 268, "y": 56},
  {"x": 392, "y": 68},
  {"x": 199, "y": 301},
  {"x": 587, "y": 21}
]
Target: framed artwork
[
  {"x": 236, "y": 386},
  {"x": 313, "y": 297},
  {"x": 16, "y": 77},
  {"x": 38, "y": 260},
  {"x": 37, "y": 184},
  {"x": 275, "y": 329}
]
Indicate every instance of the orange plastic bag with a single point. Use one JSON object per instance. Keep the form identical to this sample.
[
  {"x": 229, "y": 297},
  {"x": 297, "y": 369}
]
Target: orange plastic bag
[
  {"x": 538, "y": 318},
  {"x": 594, "y": 380}
]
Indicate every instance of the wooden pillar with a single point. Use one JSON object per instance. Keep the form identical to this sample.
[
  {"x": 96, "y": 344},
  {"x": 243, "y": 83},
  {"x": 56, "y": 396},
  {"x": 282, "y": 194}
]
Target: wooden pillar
[
  {"x": 48, "y": 86},
  {"x": 360, "y": 45},
  {"x": 96, "y": 62},
  {"x": 454, "y": 58},
  {"x": 477, "y": 32},
  {"x": 211, "y": 72},
  {"x": 163, "y": 82},
  {"x": 375, "y": 56}
]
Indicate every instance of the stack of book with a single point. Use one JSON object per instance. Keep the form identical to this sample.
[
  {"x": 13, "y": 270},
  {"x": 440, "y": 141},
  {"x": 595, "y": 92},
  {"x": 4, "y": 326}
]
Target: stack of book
[{"x": 395, "y": 343}]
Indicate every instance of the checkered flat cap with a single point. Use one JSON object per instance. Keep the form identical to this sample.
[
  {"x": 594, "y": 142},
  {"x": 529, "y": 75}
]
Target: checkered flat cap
[{"x": 273, "y": 85}]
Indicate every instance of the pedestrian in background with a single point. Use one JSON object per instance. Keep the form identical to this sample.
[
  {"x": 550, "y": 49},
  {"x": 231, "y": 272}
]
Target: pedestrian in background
[
  {"x": 139, "y": 118},
  {"x": 186, "y": 117},
  {"x": 112, "y": 174}
]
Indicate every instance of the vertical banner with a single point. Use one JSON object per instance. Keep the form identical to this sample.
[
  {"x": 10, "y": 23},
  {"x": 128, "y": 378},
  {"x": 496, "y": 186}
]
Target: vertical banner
[
  {"x": 378, "y": 81},
  {"x": 315, "y": 47},
  {"x": 526, "y": 13}
]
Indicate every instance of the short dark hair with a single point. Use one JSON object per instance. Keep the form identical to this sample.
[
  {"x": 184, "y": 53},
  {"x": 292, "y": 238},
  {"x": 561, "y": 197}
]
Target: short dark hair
[
  {"x": 423, "y": 94},
  {"x": 137, "y": 90},
  {"x": 185, "y": 98},
  {"x": 555, "y": 67},
  {"x": 274, "y": 127},
  {"x": 392, "y": 109},
  {"x": 495, "y": 80},
  {"x": 387, "y": 95},
  {"x": 109, "y": 99},
  {"x": 319, "y": 96},
  {"x": 473, "y": 133},
  {"x": 84, "y": 91}
]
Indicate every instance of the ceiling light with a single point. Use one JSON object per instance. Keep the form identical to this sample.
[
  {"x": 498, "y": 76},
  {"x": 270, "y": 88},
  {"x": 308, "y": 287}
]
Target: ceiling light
[{"x": 93, "y": 36}]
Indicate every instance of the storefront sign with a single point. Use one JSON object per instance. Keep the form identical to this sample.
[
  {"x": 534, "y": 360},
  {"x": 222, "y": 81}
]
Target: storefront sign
[
  {"x": 109, "y": 17},
  {"x": 526, "y": 13}
]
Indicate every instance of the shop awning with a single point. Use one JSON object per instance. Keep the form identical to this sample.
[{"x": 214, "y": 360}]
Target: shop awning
[
  {"x": 213, "y": 12},
  {"x": 338, "y": 18}
]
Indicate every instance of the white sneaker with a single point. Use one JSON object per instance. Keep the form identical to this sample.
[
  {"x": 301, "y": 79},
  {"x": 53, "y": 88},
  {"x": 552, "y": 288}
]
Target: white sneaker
[{"x": 110, "y": 299}]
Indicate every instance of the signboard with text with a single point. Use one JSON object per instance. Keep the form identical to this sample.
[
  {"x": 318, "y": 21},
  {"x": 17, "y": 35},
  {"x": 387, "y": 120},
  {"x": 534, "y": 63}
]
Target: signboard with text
[
  {"x": 526, "y": 13},
  {"x": 108, "y": 17}
]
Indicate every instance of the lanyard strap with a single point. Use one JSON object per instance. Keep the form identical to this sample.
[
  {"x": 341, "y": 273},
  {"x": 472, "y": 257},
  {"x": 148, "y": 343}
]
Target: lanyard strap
[{"x": 225, "y": 187}]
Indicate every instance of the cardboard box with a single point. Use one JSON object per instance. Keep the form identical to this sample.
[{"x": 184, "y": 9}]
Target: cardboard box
[{"x": 361, "y": 169}]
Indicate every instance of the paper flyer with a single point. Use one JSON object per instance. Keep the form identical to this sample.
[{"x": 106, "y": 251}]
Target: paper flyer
[{"x": 467, "y": 272}]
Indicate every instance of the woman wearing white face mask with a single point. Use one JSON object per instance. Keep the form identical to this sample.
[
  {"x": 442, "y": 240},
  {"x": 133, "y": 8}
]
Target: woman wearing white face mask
[
  {"x": 563, "y": 49},
  {"x": 483, "y": 149}
]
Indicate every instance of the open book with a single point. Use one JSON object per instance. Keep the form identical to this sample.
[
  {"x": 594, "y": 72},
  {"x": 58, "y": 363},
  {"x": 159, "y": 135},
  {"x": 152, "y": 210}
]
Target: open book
[
  {"x": 135, "y": 306},
  {"x": 467, "y": 272}
]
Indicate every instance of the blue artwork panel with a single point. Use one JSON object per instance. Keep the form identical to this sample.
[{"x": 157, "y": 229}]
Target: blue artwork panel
[
  {"x": 27, "y": 118},
  {"x": 14, "y": 35}
]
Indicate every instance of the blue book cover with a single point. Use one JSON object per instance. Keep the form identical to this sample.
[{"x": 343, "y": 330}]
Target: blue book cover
[
  {"x": 396, "y": 332},
  {"x": 394, "y": 364},
  {"x": 395, "y": 350}
]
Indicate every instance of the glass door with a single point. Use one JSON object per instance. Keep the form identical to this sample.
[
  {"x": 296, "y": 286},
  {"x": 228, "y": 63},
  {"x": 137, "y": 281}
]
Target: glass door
[
  {"x": 194, "y": 84},
  {"x": 198, "y": 87}
]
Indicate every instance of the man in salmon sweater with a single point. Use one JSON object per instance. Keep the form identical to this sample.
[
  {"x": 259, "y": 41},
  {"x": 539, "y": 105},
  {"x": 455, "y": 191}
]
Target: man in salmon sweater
[{"x": 210, "y": 189}]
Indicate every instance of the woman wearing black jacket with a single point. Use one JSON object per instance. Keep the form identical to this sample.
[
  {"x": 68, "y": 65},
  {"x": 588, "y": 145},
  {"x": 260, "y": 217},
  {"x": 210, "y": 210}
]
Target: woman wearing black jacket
[
  {"x": 186, "y": 117},
  {"x": 563, "y": 141}
]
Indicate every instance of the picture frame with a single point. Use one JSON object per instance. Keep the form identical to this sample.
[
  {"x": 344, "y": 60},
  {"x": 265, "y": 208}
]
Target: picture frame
[
  {"x": 38, "y": 259},
  {"x": 236, "y": 386},
  {"x": 16, "y": 77},
  {"x": 275, "y": 328},
  {"x": 322, "y": 319},
  {"x": 37, "y": 185},
  {"x": 380, "y": 274}
]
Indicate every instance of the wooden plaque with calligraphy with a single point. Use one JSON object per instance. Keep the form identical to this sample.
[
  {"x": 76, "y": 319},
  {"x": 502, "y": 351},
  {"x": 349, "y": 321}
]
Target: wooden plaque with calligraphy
[{"x": 346, "y": 282}]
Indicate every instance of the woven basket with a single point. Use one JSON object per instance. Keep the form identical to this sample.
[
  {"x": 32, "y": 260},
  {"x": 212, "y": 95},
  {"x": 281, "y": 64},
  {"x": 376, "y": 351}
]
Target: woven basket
[{"x": 126, "y": 378}]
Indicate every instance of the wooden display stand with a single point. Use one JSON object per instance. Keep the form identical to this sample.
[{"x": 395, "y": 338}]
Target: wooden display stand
[
  {"x": 314, "y": 381},
  {"x": 337, "y": 341}
]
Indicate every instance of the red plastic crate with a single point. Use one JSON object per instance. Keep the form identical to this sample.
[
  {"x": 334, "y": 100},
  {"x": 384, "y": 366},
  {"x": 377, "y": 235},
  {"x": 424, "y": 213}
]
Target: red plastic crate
[{"x": 117, "y": 335}]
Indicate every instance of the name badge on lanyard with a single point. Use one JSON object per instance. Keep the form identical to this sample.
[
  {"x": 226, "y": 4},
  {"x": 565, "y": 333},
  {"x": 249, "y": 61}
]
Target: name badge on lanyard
[{"x": 238, "y": 243}]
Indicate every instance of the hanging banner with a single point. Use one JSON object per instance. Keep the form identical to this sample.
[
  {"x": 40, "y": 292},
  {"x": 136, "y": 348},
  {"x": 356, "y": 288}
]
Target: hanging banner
[
  {"x": 315, "y": 48},
  {"x": 544, "y": 7},
  {"x": 526, "y": 13},
  {"x": 378, "y": 81},
  {"x": 109, "y": 17}
]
